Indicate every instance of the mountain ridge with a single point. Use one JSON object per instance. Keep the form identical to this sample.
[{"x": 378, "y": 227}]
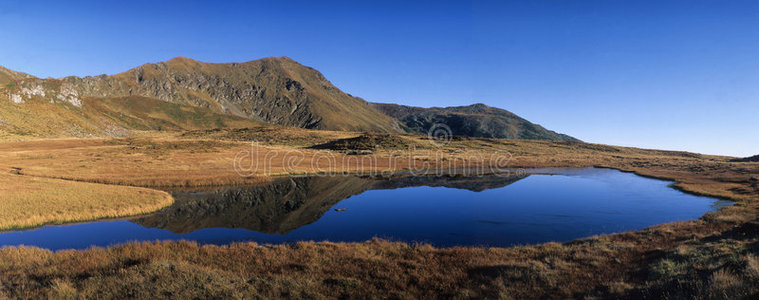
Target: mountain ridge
[
  {"x": 476, "y": 120},
  {"x": 8, "y": 76},
  {"x": 276, "y": 90}
]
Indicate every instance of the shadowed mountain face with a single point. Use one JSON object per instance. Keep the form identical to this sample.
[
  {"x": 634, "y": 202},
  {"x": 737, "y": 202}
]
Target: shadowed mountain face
[
  {"x": 476, "y": 120},
  {"x": 289, "y": 203},
  {"x": 754, "y": 158}
]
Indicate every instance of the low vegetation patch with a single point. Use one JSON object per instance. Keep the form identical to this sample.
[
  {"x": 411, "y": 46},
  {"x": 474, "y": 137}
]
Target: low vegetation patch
[
  {"x": 722, "y": 266},
  {"x": 268, "y": 135},
  {"x": 161, "y": 147},
  {"x": 304, "y": 270}
]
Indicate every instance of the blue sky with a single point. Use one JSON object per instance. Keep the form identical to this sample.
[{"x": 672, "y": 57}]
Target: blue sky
[{"x": 680, "y": 75}]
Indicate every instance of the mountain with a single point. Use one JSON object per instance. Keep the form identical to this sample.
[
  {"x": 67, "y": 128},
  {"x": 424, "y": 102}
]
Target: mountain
[
  {"x": 276, "y": 90},
  {"x": 183, "y": 93},
  {"x": 477, "y": 120}
]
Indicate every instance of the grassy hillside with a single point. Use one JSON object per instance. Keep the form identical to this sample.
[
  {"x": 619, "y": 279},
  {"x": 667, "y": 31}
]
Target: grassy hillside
[
  {"x": 476, "y": 120},
  {"x": 7, "y": 77}
]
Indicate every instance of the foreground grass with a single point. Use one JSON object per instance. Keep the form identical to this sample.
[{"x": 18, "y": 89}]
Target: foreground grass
[
  {"x": 711, "y": 257},
  {"x": 28, "y": 202}
]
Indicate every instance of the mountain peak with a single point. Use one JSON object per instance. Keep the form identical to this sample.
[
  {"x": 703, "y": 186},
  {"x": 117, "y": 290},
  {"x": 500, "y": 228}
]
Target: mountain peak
[
  {"x": 182, "y": 60},
  {"x": 274, "y": 89},
  {"x": 186, "y": 61},
  {"x": 285, "y": 58},
  {"x": 279, "y": 59}
]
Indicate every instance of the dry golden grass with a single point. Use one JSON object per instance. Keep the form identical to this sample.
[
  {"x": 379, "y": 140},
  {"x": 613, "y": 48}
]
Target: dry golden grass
[
  {"x": 207, "y": 158},
  {"x": 752, "y": 265},
  {"x": 171, "y": 162},
  {"x": 304, "y": 270},
  {"x": 28, "y": 202}
]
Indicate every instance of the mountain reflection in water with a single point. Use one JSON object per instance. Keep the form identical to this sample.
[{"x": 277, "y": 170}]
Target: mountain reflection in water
[
  {"x": 288, "y": 203},
  {"x": 549, "y": 205}
]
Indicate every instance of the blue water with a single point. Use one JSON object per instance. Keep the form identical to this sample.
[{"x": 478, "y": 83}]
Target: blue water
[{"x": 538, "y": 208}]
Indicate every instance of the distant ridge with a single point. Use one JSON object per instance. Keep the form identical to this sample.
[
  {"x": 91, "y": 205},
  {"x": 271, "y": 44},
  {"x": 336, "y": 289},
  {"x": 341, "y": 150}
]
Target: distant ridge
[
  {"x": 754, "y": 158},
  {"x": 477, "y": 120}
]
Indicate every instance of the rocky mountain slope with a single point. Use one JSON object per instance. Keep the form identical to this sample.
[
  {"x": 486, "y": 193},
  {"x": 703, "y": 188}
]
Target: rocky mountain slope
[
  {"x": 477, "y": 120},
  {"x": 163, "y": 95},
  {"x": 276, "y": 90},
  {"x": 104, "y": 117}
]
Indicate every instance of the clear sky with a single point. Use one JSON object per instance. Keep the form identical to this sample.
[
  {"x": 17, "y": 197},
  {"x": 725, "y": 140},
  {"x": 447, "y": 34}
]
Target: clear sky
[{"x": 678, "y": 75}]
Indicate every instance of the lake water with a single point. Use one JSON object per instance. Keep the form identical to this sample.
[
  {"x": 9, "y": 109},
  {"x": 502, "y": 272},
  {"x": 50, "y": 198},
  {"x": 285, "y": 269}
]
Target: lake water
[{"x": 552, "y": 205}]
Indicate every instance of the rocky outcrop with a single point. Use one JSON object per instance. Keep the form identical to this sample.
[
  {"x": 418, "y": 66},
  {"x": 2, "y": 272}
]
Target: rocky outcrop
[{"x": 50, "y": 90}]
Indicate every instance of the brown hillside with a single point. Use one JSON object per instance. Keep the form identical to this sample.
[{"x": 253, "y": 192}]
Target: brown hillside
[
  {"x": 51, "y": 108},
  {"x": 9, "y": 76}
]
